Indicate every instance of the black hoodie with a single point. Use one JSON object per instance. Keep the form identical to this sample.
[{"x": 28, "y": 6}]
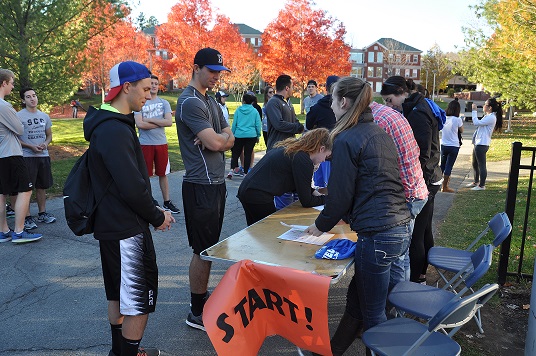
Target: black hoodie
[
  {"x": 321, "y": 115},
  {"x": 426, "y": 131},
  {"x": 115, "y": 154}
]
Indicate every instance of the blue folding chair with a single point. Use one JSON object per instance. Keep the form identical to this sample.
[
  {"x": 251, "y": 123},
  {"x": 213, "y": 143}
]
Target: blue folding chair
[
  {"x": 453, "y": 260},
  {"x": 425, "y": 301},
  {"x": 404, "y": 336}
]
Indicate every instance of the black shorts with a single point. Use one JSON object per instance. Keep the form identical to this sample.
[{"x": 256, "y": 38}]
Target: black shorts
[
  {"x": 130, "y": 273},
  {"x": 40, "y": 171},
  {"x": 14, "y": 177},
  {"x": 204, "y": 207}
]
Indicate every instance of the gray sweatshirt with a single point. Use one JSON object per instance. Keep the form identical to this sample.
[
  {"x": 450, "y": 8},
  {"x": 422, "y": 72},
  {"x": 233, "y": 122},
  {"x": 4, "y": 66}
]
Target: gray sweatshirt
[{"x": 10, "y": 130}]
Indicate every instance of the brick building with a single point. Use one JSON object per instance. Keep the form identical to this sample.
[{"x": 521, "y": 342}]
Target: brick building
[{"x": 384, "y": 58}]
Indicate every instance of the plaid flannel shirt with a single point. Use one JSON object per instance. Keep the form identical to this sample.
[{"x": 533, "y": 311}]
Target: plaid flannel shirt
[{"x": 396, "y": 126}]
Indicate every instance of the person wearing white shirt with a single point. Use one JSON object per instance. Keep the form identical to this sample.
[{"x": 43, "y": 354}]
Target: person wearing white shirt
[
  {"x": 492, "y": 121},
  {"x": 450, "y": 142}
]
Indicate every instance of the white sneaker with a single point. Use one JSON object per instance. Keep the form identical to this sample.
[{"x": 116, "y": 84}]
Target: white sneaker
[
  {"x": 230, "y": 175},
  {"x": 479, "y": 188},
  {"x": 473, "y": 184}
]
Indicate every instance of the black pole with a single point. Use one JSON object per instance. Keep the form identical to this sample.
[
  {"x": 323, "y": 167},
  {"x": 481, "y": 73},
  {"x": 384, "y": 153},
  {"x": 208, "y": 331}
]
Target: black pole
[{"x": 511, "y": 193}]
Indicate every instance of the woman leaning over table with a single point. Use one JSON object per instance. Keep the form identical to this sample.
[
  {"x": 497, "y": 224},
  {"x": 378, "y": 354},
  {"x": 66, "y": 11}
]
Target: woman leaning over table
[
  {"x": 365, "y": 189},
  {"x": 492, "y": 121},
  {"x": 288, "y": 167}
]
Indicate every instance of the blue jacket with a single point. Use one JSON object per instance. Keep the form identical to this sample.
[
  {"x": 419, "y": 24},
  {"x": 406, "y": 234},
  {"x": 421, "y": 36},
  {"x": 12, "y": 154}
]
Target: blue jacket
[{"x": 246, "y": 122}]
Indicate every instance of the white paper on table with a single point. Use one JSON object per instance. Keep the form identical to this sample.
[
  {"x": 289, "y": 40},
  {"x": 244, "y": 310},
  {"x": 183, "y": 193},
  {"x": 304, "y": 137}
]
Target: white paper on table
[
  {"x": 295, "y": 227},
  {"x": 319, "y": 208},
  {"x": 300, "y": 236}
]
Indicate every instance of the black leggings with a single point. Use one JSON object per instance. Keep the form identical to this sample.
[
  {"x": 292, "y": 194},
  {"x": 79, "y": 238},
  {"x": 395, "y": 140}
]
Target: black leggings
[
  {"x": 247, "y": 144},
  {"x": 256, "y": 212},
  {"x": 422, "y": 239},
  {"x": 480, "y": 172}
]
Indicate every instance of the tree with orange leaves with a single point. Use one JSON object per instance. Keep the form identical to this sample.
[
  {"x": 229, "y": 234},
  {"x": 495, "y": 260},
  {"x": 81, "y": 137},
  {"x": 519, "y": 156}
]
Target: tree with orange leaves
[
  {"x": 305, "y": 44},
  {"x": 184, "y": 33},
  {"x": 239, "y": 56},
  {"x": 187, "y": 31},
  {"x": 121, "y": 42}
]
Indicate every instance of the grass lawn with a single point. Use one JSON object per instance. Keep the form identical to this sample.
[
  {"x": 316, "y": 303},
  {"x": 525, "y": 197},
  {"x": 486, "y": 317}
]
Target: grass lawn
[{"x": 69, "y": 143}]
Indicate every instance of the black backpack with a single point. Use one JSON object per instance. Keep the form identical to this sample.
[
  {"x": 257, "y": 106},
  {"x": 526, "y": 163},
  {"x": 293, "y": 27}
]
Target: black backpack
[{"x": 79, "y": 198}]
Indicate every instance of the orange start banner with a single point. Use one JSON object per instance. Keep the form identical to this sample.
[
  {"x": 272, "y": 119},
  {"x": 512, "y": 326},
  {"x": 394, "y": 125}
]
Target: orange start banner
[{"x": 254, "y": 300}]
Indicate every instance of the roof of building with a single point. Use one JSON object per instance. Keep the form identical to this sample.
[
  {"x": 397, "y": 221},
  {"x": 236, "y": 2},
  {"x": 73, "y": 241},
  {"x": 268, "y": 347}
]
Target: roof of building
[
  {"x": 149, "y": 30},
  {"x": 391, "y": 43},
  {"x": 247, "y": 30}
]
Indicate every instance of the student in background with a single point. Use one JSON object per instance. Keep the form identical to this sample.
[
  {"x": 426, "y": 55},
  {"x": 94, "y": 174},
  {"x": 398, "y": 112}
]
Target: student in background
[{"x": 450, "y": 142}]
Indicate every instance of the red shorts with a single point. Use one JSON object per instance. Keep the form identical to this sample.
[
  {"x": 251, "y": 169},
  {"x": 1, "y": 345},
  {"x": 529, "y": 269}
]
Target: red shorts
[{"x": 157, "y": 154}]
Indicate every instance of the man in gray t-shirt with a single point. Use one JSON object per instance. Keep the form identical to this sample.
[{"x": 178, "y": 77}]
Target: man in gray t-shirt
[
  {"x": 314, "y": 96},
  {"x": 35, "y": 140},
  {"x": 152, "y": 121},
  {"x": 204, "y": 136}
]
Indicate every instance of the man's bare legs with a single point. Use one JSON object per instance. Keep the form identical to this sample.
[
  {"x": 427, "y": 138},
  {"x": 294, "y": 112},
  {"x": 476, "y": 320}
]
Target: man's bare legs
[
  {"x": 133, "y": 325},
  {"x": 3, "y": 221},
  {"x": 199, "y": 274},
  {"x": 41, "y": 197},
  {"x": 21, "y": 208},
  {"x": 164, "y": 187}
]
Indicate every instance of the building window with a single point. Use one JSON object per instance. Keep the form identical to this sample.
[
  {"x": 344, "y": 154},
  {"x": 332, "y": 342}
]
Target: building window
[
  {"x": 357, "y": 58},
  {"x": 380, "y": 57},
  {"x": 390, "y": 57},
  {"x": 397, "y": 71},
  {"x": 371, "y": 57},
  {"x": 375, "y": 48},
  {"x": 415, "y": 58},
  {"x": 398, "y": 58},
  {"x": 414, "y": 73},
  {"x": 357, "y": 72},
  {"x": 379, "y": 72},
  {"x": 370, "y": 72},
  {"x": 378, "y": 87},
  {"x": 406, "y": 73}
]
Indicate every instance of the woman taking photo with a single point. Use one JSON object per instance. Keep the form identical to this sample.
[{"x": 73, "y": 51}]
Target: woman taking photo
[
  {"x": 492, "y": 121},
  {"x": 288, "y": 167},
  {"x": 450, "y": 142},
  {"x": 402, "y": 95},
  {"x": 365, "y": 188}
]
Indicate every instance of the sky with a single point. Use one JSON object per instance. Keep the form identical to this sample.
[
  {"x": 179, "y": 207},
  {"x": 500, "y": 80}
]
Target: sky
[{"x": 418, "y": 23}]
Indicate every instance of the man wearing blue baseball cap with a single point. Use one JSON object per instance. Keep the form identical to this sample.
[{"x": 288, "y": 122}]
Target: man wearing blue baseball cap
[
  {"x": 118, "y": 173},
  {"x": 204, "y": 136}
]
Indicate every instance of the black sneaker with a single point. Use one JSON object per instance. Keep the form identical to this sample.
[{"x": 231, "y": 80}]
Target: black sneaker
[
  {"x": 142, "y": 351},
  {"x": 171, "y": 207},
  {"x": 148, "y": 351},
  {"x": 10, "y": 213},
  {"x": 195, "y": 322},
  {"x": 29, "y": 223}
]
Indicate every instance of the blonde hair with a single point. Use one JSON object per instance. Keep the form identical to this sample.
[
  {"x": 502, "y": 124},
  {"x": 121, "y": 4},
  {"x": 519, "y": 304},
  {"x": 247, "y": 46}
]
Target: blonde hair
[
  {"x": 310, "y": 142},
  {"x": 359, "y": 93},
  {"x": 6, "y": 75}
]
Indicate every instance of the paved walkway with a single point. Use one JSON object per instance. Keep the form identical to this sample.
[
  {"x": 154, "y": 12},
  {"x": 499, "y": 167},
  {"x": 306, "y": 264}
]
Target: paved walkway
[{"x": 52, "y": 299}]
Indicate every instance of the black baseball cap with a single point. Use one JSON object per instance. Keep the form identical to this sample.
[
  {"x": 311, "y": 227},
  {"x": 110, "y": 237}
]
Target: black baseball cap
[{"x": 210, "y": 58}]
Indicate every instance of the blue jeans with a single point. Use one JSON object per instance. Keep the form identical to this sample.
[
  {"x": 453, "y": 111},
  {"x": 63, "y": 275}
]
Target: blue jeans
[
  {"x": 400, "y": 271},
  {"x": 374, "y": 257},
  {"x": 448, "y": 157}
]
